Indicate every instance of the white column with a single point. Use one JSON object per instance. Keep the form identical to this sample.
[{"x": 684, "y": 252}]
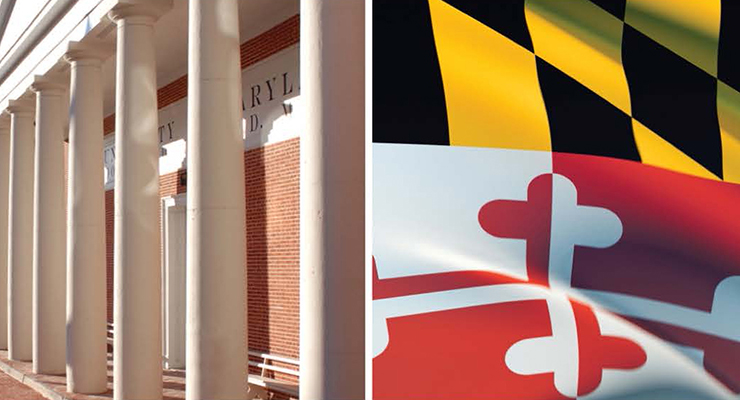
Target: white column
[
  {"x": 49, "y": 232},
  {"x": 216, "y": 272},
  {"x": 20, "y": 231},
  {"x": 4, "y": 178},
  {"x": 332, "y": 193},
  {"x": 137, "y": 348},
  {"x": 86, "y": 313}
]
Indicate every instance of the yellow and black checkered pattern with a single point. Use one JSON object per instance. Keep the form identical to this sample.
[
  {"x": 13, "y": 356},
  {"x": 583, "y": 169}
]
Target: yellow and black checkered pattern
[{"x": 656, "y": 81}]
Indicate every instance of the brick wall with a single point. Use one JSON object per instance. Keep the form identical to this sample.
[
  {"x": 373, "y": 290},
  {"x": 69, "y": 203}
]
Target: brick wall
[
  {"x": 279, "y": 37},
  {"x": 272, "y": 211},
  {"x": 109, "y": 213},
  {"x": 272, "y": 186},
  {"x": 172, "y": 183}
]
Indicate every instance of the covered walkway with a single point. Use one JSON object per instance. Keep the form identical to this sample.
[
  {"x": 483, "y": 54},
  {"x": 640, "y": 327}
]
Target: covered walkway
[
  {"x": 55, "y": 386},
  {"x": 10, "y": 388}
]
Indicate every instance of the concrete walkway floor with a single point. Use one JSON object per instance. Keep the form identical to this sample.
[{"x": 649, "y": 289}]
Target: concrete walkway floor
[
  {"x": 11, "y": 389},
  {"x": 54, "y": 387}
]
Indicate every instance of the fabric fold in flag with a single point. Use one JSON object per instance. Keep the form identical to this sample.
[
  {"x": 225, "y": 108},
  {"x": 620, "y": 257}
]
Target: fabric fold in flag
[{"x": 568, "y": 225}]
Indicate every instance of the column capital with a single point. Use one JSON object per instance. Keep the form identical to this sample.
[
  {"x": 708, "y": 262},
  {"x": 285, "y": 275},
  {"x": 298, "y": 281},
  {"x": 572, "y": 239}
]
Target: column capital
[
  {"x": 144, "y": 11},
  {"x": 91, "y": 52},
  {"x": 20, "y": 107},
  {"x": 47, "y": 85}
]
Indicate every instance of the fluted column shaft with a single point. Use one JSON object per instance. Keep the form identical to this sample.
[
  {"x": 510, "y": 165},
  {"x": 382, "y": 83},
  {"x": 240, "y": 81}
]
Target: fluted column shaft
[
  {"x": 20, "y": 233},
  {"x": 4, "y": 180},
  {"x": 332, "y": 192},
  {"x": 49, "y": 232},
  {"x": 216, "y": 272},
  {"x": 86, "y": 313},
  {"x": 137, "y": 349}
]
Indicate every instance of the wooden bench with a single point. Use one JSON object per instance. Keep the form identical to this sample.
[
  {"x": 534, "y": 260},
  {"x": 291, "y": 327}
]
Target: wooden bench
[
  {"x": 110, "y": 333},
  {"x": 259, "y": 385}
]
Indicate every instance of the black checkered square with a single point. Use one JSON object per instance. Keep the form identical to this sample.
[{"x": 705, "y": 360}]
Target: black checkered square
[{"x": 674, "y": 98}]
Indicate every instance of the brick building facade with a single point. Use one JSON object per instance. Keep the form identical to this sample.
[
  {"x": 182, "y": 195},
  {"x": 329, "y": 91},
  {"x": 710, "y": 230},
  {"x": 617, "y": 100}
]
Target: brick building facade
[
  {"x": 188, "y": 222},
  {"x": 272, "y": 189}
]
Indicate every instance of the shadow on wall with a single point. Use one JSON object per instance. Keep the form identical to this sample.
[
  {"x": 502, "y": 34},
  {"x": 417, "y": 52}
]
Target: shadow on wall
[
  {"x": 272, "y": 194},
  {"x": 258, "y": 316}
]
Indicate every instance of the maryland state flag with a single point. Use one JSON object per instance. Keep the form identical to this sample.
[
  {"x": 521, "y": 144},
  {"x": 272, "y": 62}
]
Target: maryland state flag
[{"x": 556, "y": 199}]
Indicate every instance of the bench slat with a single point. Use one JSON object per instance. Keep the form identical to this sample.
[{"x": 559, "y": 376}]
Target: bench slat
[
  {"x": 273, "y": 384},
  {"x": 273, "y": 357},
  {"x": 278, "y": 369},
  {"x": 282, "y": 359}
]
